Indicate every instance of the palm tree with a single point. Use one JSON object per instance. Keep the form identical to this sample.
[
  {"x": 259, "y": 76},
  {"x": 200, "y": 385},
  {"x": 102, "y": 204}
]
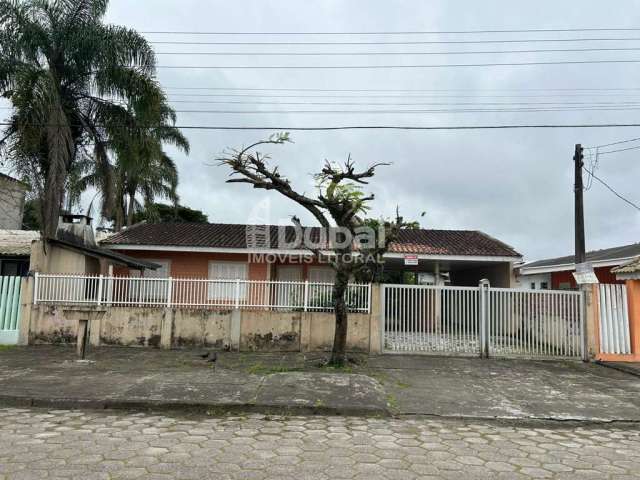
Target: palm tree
[
  {"x": 141, "y": 169},
  {"x": 76, "y": 85}
]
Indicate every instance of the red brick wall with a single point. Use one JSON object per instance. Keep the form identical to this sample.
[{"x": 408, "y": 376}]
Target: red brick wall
[{"x": 603, "y": 273}]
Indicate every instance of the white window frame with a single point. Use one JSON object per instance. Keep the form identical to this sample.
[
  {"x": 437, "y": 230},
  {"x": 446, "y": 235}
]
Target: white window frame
[{"x": 222, "y": 291}]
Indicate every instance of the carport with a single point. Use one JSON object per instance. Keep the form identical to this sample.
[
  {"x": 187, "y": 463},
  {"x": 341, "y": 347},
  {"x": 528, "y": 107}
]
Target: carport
[{"x": 453, "y": 257}]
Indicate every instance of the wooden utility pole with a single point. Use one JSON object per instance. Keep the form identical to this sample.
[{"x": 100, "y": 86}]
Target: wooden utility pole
[{"x": 578, "y": 160}]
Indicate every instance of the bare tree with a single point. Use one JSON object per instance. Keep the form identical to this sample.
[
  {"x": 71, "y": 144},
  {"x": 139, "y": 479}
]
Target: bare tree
[{"x": 339, "y": 203}]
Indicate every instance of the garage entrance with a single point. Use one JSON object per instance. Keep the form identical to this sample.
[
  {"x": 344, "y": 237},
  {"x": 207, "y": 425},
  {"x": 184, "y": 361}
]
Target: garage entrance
[{"x": 482, "y": 321}]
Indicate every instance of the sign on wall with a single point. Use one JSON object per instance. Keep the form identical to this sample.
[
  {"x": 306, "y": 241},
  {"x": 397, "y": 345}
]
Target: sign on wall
[{"x": 410, "y": 260}]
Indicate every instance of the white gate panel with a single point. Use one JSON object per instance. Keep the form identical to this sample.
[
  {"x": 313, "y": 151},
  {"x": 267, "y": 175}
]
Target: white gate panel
[
  {"x": 614, "y": 320},
  {"x": 535, "y": 323},
  {"x": 431, "y": 319},
  {"x": 482, "y": 321}
]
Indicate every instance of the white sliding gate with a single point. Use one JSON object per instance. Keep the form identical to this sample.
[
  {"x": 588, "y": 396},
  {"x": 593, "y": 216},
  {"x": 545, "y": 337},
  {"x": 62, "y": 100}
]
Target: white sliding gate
[
  {"x": 482, "y": 321},
  {"x": 614, "y": 320}
]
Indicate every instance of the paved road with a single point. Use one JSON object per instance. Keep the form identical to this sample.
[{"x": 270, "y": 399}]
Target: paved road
[{"x": 101, "y": 445}]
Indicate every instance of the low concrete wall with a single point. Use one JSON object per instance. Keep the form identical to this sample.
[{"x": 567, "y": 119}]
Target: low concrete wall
[{"x": 238, "y": 330}]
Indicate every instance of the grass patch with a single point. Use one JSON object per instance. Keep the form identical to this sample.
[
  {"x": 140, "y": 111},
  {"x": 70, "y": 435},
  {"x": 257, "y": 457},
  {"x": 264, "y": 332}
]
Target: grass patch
[
  {"x": 392, "y": 401},
  {"x": 337, "y": 368},
  {"x": 260, "y": 369},
  {"x": 4, "y": 348},
  {"x": 402, "y": 385}
]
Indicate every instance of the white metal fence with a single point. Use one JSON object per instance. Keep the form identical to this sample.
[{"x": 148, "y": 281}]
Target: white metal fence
[
  {"x": 482, "y": 321},
  {"x": 614, "y": 320},
  {"x": 194, "y": 293}
]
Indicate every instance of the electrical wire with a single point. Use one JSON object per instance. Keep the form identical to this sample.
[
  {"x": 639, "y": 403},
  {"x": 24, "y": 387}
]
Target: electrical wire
[
  {"x": 611, "y": 189},
  {"x": 390, "y": 90},
  {"x": 381, "y": 67},
  {"x": 405, "y": 42},
  {"x": 409, "y": 32},
  {"x": 342, "y": 54},
  {"x": 419, "y": 111},
  {"x": 375, "y": 127},
  {"x": 394, "y": 104},
  {"x": 620, "y": 150}
]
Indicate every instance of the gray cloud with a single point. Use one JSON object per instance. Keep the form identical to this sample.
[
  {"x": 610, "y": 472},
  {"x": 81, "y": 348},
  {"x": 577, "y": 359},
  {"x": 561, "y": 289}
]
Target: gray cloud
[{"x": 515, "y": 185}]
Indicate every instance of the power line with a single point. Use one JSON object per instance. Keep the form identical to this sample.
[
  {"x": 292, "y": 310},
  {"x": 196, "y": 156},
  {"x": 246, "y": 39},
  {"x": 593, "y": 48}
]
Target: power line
[
  {"x": 253, "y": 95},
  {"x": 419, "y": 111},
  {"x": 405, "y": 42},
  {"x": 237, "y": 102},
  {"x": 380, "y": 67},
  {"x": 379, "y": 127},
  {"x": 354, "y": 90},
  {"x": 611, "y": 189},
  {"x": 616, "y": 143},
  {"x": 619, "y": 150},
  {"x": 478, "y": 52},
  {"x": 409, "y": 32}
]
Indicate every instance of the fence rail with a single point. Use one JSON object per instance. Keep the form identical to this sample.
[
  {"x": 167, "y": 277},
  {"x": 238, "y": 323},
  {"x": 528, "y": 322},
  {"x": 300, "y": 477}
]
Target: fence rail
[{"x": 194, "y": 293}]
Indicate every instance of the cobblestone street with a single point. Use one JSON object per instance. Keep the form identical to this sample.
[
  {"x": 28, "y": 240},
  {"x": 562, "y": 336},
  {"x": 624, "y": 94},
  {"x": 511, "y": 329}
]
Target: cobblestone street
[{"x": 75, "y": 444}]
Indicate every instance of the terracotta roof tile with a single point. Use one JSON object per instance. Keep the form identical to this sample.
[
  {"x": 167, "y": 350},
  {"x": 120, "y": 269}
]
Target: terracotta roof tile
[{"x": 222, "y": 235}]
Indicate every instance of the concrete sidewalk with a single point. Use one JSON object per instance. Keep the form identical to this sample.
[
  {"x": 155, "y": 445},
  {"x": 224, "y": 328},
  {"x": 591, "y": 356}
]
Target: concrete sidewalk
[
  {"x": 135, "y": 378},
  {"x": 140, "y": 378}
]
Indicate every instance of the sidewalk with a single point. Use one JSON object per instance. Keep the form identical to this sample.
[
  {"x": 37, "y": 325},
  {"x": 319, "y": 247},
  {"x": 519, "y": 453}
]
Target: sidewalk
[
  {"x": 142, "y": 378},
  {"x": 131, "y": 378}
]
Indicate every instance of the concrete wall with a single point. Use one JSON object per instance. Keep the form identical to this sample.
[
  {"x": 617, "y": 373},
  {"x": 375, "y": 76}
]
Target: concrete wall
[
  {"x": 61, "y": 260},
  {"x": 11, "y": 204},
  {"x": 238, "y": 330}
]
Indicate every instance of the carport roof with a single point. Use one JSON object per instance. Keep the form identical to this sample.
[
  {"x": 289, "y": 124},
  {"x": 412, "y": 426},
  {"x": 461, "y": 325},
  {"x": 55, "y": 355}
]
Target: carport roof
[{"x": 197, "y": 236}]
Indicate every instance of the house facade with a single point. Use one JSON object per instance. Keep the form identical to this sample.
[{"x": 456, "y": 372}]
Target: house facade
[
  {"x": 230, "y": 251},
  {"x": 557, "y": 273}
]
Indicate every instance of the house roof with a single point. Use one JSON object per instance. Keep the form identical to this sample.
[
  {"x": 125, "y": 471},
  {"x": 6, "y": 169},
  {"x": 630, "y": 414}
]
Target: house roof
[
  {"x": 630, "y": 267},
  {"x": 608, "y": 256},
  {"x": 98, "y": 252},
  {"x": 17, "y": 242},
  {"x": 234, "y": 236},
  {"x": 13, "y": 180}
]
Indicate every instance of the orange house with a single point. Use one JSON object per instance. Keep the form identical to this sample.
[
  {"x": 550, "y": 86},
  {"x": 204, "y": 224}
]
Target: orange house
[{"x": 267, "y": 252}]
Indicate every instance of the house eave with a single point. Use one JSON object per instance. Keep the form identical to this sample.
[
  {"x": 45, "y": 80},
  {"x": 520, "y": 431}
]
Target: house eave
[
  {"x": 301, "y": 252},
  {"x": 568, "y": 267}
]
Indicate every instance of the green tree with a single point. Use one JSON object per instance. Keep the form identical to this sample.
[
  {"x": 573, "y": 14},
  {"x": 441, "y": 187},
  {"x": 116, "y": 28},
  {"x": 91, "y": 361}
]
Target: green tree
[
  {"x": 75, "y": 84},
  {"x": 162, "y": 213}
]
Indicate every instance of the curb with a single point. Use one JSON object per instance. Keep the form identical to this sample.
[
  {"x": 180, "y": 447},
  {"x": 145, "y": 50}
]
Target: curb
[
  {"x": 619, "y": 367},
  {"x": 188, "y": 407}
]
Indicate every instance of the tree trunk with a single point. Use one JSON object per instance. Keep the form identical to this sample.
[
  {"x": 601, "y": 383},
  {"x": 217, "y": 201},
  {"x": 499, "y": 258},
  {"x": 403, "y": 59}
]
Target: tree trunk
[
  {"x": 338, "y": 355},
  {"x": 130, "y": 211}
]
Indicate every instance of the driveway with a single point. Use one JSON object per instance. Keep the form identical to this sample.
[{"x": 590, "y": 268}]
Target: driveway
[{"x": 471, "y": 387}]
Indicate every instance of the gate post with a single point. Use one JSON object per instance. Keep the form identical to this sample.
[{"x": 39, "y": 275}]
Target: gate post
[{"x": 484, "y": 317}]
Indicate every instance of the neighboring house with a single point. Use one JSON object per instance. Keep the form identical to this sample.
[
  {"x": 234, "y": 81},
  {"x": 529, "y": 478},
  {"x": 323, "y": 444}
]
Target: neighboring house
[
  {"x": 227, "y": 251},
  {"x": 12, "y": 193},
  {"x": 557, "y": 273},
  {"x": 75, "y": 251},
  {"x": 15, "y": 249}
]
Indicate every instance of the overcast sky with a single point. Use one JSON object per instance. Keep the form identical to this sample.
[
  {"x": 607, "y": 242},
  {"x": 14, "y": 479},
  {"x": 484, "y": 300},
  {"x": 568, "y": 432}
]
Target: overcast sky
[{"x": 516, "y": 185}]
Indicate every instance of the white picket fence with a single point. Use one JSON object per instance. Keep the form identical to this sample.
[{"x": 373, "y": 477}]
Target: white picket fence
[{"x": 194, "y": 293}]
